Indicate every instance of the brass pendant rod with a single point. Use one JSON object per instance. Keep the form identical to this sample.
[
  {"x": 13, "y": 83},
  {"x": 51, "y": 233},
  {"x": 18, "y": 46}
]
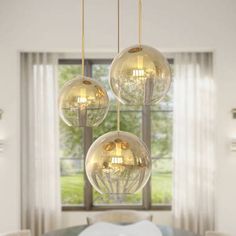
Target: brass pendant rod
[
  {"x": 118, "y": 115},
  {"x": 118, "y": 51},
  {"x": 140, "y": 22},
  {"x": 118, "y": 26},
  {"x": 82, "y": 36}
]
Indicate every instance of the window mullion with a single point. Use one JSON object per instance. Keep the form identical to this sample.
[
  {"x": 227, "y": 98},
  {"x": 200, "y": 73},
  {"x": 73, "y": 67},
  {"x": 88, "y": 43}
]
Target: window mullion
[
  {"x": 146, "y": 136},
  {"x": 88, "y": 139}
]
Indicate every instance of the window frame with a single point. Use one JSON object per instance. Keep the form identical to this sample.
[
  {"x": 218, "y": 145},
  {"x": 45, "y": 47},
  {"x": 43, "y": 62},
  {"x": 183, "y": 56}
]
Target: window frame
[{"x": 88, "y": 139}]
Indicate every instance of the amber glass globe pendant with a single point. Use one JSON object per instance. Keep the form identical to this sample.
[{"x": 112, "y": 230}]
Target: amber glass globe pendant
[
  {"x": 83, "y": 101},
  {"x": 118, "y": 163},
  {"x": 140, "y": 74}
]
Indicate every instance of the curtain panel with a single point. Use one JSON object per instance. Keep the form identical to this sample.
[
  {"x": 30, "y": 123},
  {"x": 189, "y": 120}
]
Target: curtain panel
[
  {"x": 40, "y": 172},
  {"x": 193, "y": 142}
]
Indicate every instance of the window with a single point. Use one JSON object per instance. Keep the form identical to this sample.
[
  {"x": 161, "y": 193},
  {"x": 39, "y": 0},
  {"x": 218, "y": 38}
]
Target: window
[{"x": 153, "y": 123}]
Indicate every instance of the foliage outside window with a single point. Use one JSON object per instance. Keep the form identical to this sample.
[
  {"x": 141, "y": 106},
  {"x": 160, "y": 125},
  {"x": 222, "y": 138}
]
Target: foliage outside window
[{"x": 72, "y": 146}]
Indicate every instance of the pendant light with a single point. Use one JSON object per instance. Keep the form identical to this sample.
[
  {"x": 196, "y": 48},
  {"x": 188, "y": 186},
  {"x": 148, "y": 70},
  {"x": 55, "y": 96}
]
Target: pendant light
[
  {"x": 140, "y": 75},
  {"x": 83, "y": 101},
  {"x": 118, "y": 162}
]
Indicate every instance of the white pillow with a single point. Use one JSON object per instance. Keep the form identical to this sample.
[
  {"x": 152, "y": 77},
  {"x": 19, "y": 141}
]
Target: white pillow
[{"x": 141, "y": 228}]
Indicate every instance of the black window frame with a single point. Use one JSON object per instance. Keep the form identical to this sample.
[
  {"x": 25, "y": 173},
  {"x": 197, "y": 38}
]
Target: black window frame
[{"x": 88, "y": 139}]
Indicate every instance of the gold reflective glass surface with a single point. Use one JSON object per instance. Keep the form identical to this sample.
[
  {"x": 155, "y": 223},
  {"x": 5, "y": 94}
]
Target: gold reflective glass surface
[
  {"x": 140, "y": 75},
  {"x": 83, "y": 102},
  {"x": 118, "y": 163}
]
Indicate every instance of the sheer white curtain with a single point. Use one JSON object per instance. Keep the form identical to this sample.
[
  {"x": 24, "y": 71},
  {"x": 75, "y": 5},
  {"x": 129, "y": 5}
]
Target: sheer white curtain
[
  {"x": 41, "y": 206},
  {"x": 193, "y": 142}
]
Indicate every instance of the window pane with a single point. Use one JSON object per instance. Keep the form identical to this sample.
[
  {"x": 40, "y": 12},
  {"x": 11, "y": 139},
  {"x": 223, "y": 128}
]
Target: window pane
[
  {"x": 161, "y": 181},
  {"x": 130, "y": 121},
  {"x": 161, "y": 134},
  {"x": 101, "y": 73},
  {"x": 109, "y": 124},
  {"x": 161, "y": 150},
  {"x": 72, "y": 181},
  {"x": 68, "y": 72},
  {"x": 167, "y": 102},
  {"x": 71, "y": 149}
]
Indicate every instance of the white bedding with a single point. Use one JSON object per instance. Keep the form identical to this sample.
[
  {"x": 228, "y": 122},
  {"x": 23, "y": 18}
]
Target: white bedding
[{"x": 142, "y": 228}]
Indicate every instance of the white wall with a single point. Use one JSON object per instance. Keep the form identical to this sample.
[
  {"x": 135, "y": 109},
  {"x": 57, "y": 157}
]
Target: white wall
[{"x": 188, "y": 25}]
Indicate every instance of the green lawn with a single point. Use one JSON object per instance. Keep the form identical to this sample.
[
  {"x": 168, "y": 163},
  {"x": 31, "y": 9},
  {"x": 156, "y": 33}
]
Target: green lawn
[
  {"x": 72, "y": 189},
  {"x": 161, "y": 185}
]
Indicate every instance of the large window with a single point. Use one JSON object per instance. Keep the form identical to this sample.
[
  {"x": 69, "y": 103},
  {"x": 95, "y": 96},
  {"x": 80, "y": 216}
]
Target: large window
[{"x": 153, "y": 124}]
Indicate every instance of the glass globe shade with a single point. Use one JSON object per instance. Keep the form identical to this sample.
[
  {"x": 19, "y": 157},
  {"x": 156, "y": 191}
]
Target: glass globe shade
[
  {"x": 118, "y": 163},
  {"x": 140, "y": 75},
  {"x": 83, "y": 102}
]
